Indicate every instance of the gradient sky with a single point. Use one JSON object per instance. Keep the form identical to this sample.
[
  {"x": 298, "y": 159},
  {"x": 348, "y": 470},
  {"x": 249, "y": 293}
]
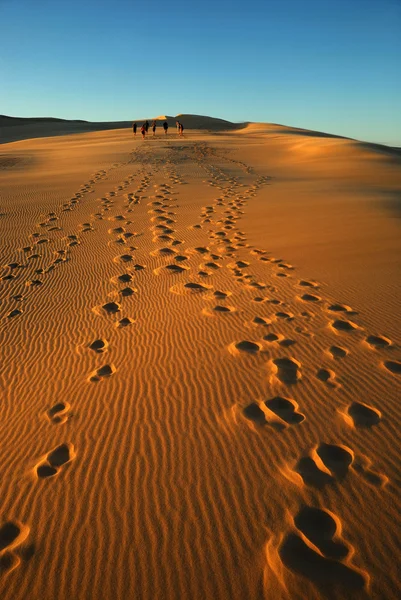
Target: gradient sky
[{"x": 329, "y": 65}]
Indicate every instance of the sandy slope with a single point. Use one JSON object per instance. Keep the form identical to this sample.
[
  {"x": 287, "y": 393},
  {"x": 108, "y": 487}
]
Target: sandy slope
[{"x": 200, "y": 367}]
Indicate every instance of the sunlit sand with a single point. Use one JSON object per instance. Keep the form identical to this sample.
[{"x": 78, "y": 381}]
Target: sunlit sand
[{"x": 200, "y": 364}]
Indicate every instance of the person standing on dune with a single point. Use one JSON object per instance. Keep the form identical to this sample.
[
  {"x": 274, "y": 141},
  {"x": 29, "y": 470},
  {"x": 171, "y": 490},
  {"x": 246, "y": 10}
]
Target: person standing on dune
[
  {"x": 177, "y": 123},
  {"x": 143, "y": 131},
  {"x": 134, "y": 128},
  {"x": 147, "y": 126},
  {"x": 165, "y": 127},
  {"x": 181, "y": 130},
  {"x": 154, "y": 128}
]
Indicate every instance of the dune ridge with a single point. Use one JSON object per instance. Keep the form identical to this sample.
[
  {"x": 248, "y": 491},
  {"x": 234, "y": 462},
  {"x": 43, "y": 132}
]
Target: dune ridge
[{"x": 196, "y": 402}]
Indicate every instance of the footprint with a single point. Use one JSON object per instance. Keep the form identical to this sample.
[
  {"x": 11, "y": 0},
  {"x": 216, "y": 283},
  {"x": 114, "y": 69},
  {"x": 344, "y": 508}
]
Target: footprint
[
  {"x": 103, "y": 372},
  {"x": 305, "y": 283},
  {"x": 163, "y": 238},
  {"x": 261, "y": 321},
  {"x": 393, "y": 366},
  {"x": 111, "y": 308},
  {"x": 284, "y": 315},
  {"x": 210, "y": 265},
  {"x": 128, "y": 291},
  {"x": 59, "y": 412},
  {"x": 287, "y": 370},
  {"x": 327, "y": 376},
  {"x": 310, "y": 298},
  {"x": 285, "y": 409},
  {"x": 338, "y": 352},
  {"x": 163, "y": 252},
  {"x": 34, "y": 283},
  {"x": 12, "y": 535},
  {"x": 315, "y": 551},
  {"x": 337, "y": 459},
  {"x": 196, "y": 287},
  {"x": 57, "y": 458},
  {"x": 223, "y": 309},
  {"x": 99, "y": 345},
  {"x": 255, "y": 284},
  {"x": 124, "y": 258},
  {"x": 363, "y": 415},
  {"x": 340, "y": 308},
  {"x": 124, "y": 278},
  {"x": 342, "y": 325},
  {"x": 254, "y": 413},
  {"x": 247, "y": 346},
  {"x": 311, "y": 474},
  {"x": 14, "y": 313},
  {"x": 286, "y": 342},
  {"x": 125, "y": 322},
  {"x": 320, "y": 527},
  {"x": 362, "y": 466},
  {"x": 378, "y": 341},
  {"x": 221, "y": 295},
  {"x": 272, "y": 337},
  {"x": 175, "y": 268}
]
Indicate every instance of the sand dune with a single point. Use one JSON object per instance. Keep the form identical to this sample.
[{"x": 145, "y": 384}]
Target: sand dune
[
  {"x": 200, "y": 366},
  {"x": 15, "y": 129}
]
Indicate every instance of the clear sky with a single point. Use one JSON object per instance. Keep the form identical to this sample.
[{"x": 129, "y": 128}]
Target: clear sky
[{"x": 329, "y": 65}]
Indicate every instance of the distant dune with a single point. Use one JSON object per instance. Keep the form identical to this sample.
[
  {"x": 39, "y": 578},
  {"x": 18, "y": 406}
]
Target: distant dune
[
  {"x": 208, "y": 123},
  {"x": 13, "y": 129},
  {"x": 200, "y": 122}
]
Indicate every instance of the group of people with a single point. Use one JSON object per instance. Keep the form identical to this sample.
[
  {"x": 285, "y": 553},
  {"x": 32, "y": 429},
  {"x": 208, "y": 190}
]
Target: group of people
[{"x": 145, "y": 128}]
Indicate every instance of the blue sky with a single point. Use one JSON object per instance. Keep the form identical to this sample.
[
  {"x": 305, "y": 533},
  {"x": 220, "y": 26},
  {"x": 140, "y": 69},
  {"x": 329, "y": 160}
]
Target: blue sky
[{"x": 328, "y": 65}]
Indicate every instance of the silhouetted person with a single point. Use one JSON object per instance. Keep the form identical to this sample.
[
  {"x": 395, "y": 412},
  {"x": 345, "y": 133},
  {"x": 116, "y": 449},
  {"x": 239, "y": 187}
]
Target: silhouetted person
[
  {"x": 154, "y": 128},
  {"x": 143, "y": 130},
  {"x": 181, "y": 129},
  {"x": 165, "y": 127},
  {"x": 147, "y": 126},
  {"x": 134, "y": 128},
  {"x": 177, "y": 123}
]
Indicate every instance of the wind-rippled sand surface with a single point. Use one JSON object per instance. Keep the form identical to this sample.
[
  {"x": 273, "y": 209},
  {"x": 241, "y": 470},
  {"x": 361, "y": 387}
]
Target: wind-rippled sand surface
[{"x": 200, "y": 367}]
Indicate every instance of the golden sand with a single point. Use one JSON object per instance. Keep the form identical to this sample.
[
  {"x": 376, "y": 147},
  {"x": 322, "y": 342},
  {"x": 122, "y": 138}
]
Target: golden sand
[{"x": 200, "y": 367}]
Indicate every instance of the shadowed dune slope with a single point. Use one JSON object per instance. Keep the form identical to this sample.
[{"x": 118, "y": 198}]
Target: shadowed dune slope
[{"x": 17, "y": 128}]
